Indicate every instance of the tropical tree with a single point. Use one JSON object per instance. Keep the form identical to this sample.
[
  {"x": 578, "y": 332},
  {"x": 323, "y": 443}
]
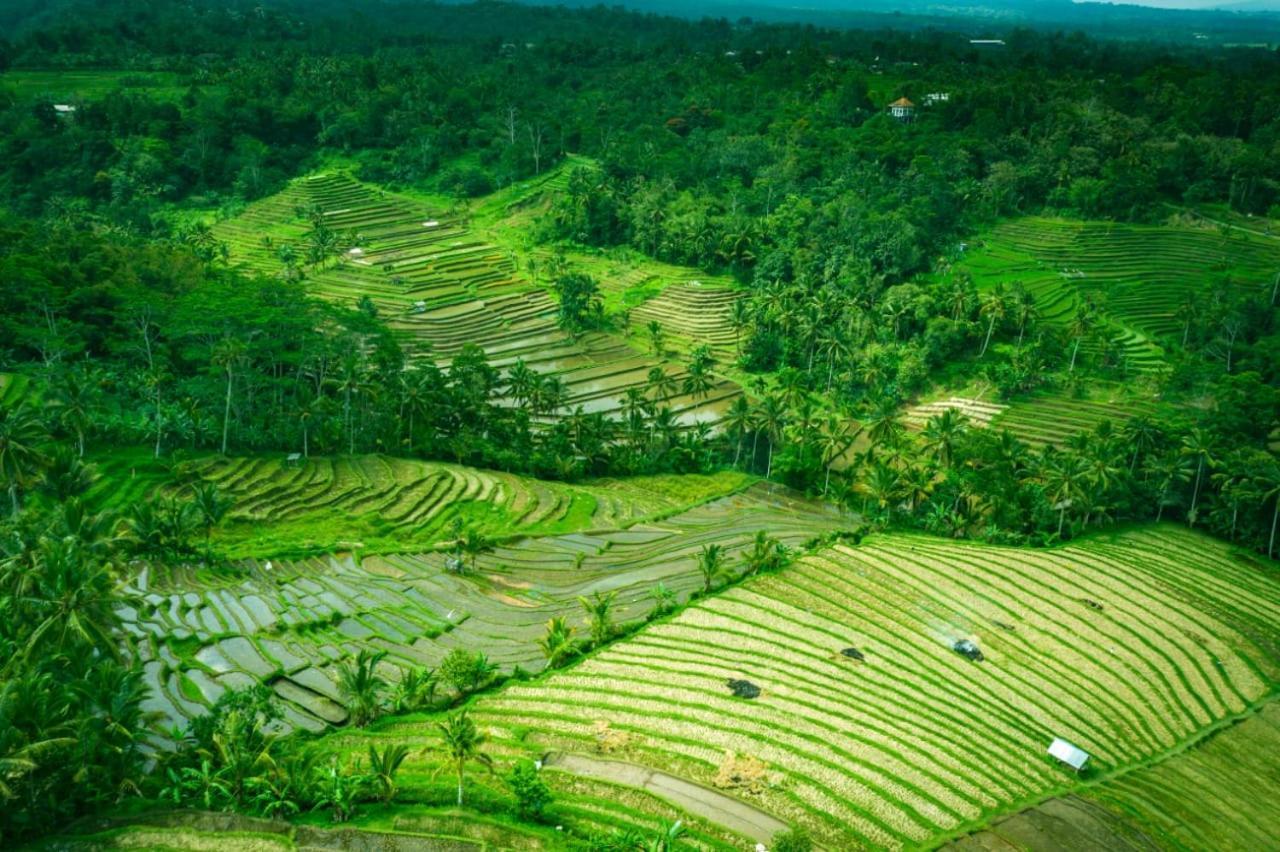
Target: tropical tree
[
  {"x": 1198, "y": 447},
  {"x": 230, "y": 355},
  {"x": 599, "y": 611},
  {"x": 416, "y": 689},
  {"x": 383, "y": 767},
  {"x": 1065, "y": 477},
  {"x": 558, "y": 643},
  {"x": 21, "y": 435},
  {"x": 771, "y": 418},
  {"x": 1166, "y": 472},
  {"x": 656, "y": 336},
  {"x": 474, "y": 544},
  {"x": 710, "y": 565},
  {"x": 212, "y": 508},
  {"x": 737, "y": 422},
  {"x": 463, "y": 743},
  {"x": 942, "y": 433},
  {"x": 835, "y": 438},
  {"x": 361, "y": 686},
  {"x": 994, "y": 308}
]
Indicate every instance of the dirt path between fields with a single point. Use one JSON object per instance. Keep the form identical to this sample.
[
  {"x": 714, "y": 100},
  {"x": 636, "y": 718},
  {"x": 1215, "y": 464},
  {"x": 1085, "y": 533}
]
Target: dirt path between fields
[{"x": 732, "y": 813}]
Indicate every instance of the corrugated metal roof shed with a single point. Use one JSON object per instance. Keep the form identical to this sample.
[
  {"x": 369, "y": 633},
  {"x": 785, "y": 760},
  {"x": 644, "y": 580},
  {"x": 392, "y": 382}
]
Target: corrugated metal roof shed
[{"x": 1069, "y": 754}]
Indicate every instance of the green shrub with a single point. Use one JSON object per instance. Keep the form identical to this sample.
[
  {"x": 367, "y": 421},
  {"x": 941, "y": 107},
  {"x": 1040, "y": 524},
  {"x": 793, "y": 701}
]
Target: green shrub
[{"x": 531, "y": 792}]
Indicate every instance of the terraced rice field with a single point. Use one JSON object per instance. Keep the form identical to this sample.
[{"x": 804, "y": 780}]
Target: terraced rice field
[
  {"x": 978, "y": 412},
  {"x": 414, "y": 500},
  {"x": 441, "y": 287},
  {"x": 1055, "y": 419},
  {"x": 1127, "y": 645},
  {"x": 288, "y": 622},
  {"x": 1138, "y": 273},
  {"x": 693, "y": 313},
  {"x": 1220, "y": 795}
]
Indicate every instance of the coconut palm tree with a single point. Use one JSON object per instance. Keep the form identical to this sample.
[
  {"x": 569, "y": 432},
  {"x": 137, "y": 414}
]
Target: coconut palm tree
[
  {"x": 599, "y": 611},
  {"x": 1141, "y": 433},
  {"x": 1166, "y": 472},
  {"x": 837, "y": 434},
  {"x": 557, "y": 645},
  {"x": 766, "y": 553},
  {"x": 994, "y": 308},
  {"x": 1081, "y": 325},
  {"x": 474, "y": 544},
  {"x": 737, "y": 423},
  {"x": 21, "y": 434},
  {"x": 230, "y": 354},
  {"x": 212, "y": 508},
  {"x": 655, "y": 332},
  {"x": 1064, "y": 476},
  {"x": 771, "y": 418},
  {"x": 942, "y": 433},
  {"x": 884, "y": 424},
  {"x": 72, "y": 597},
  {"x": 1268, "y": 485},
  {"x": 710, "y": 566},
  {"x": 383, "y": 767},
  {"x": 361, "y": 686},
  {"x": 463, "y": 742},
  {"x": 661, "y": 384},
  {"x": 1198, "y": 446}
]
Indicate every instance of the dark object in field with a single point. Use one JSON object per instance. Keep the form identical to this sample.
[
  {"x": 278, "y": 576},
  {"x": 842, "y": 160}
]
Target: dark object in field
[
  {"x": 1091, "y": 604},
  {"x": 967, "y": 649},
  {"x": 744, "y": 688},
  {"x": 853, "y": 654},
  {"x": 1007, "y": 627}
]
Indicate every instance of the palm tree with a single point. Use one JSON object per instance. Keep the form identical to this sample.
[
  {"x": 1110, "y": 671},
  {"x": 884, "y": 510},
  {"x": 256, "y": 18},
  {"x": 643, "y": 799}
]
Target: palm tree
[
  {"x": 765, "y": 553},
  {"x": 1198, "y": 444},
  {"x": 1167, "y": 472},
  {"x": 834, "y": 439},
  {"x": 229, "y": 354},
  {"x": 21, "y": 433},
  {"x": 1141, "y": 433},
  {"x": 383, "y": 766},
  {"x": 942, "y": 433},
  {"x": 1024, "y": 309},
  {"x": 884, "y": 425},
  {"x": 710, "y": 565},
  {"x": 557, "y": 645},
  {"x": 654, "y": 328},
  {"x": 1080, "y": 326},
  {"x": 1269, "y": 489},
  {"x": 698, "y": 381},
  {"x": 882, "y": 486},
  {"x": 73, "y": 599},
  {"x": 1065, "y": 476},
  {"x": 992, "y": 307},
  {"x": 771, "y": 417},
  {"x": 462, "y": 743},
  {"x": 661, "y": 384},
  {"x": 599, "y": 610},
  {"x": 361, "y": 686},
  {"x": 73, "y": 403},
  {"x": 212, "y": 508},
  {"x": 521, "y": 382},
  {"x": 737, "y": 423},
  {"x": 416, "y": 689}
]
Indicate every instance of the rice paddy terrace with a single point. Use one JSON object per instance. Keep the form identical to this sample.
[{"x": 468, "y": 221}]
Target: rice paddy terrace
[
  {"x": 288, "y": 622},
  {"x": 404, "y": 501},
  {"x": 1038, "y": 420},
  {"x": 869, "y": 728},
  {"x": 1139, "y": 274},
  {"x": 439, "y": 286}
]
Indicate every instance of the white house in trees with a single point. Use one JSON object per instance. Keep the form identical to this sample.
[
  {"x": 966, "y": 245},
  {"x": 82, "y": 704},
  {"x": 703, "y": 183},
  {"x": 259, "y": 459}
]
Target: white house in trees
[{"x": 902, "y": 109}]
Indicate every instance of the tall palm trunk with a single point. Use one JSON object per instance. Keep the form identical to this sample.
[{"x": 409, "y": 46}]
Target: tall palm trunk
[
  {"x": 459, "y": 784},
  {"x": 991, "y": 326},
  {"x": 1275, "y": 515},
  {"x": 1195, "y": 493},
  {"x": 738, "y": 453},
  {"x": 158, "y": 431},
  {"x": 226, "y": 413},
  {"x": 1074, "y": 350}
]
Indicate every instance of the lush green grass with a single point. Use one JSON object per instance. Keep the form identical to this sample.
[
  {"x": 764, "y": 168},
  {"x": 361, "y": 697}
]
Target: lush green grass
[{"x": 70, "y": 86}]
